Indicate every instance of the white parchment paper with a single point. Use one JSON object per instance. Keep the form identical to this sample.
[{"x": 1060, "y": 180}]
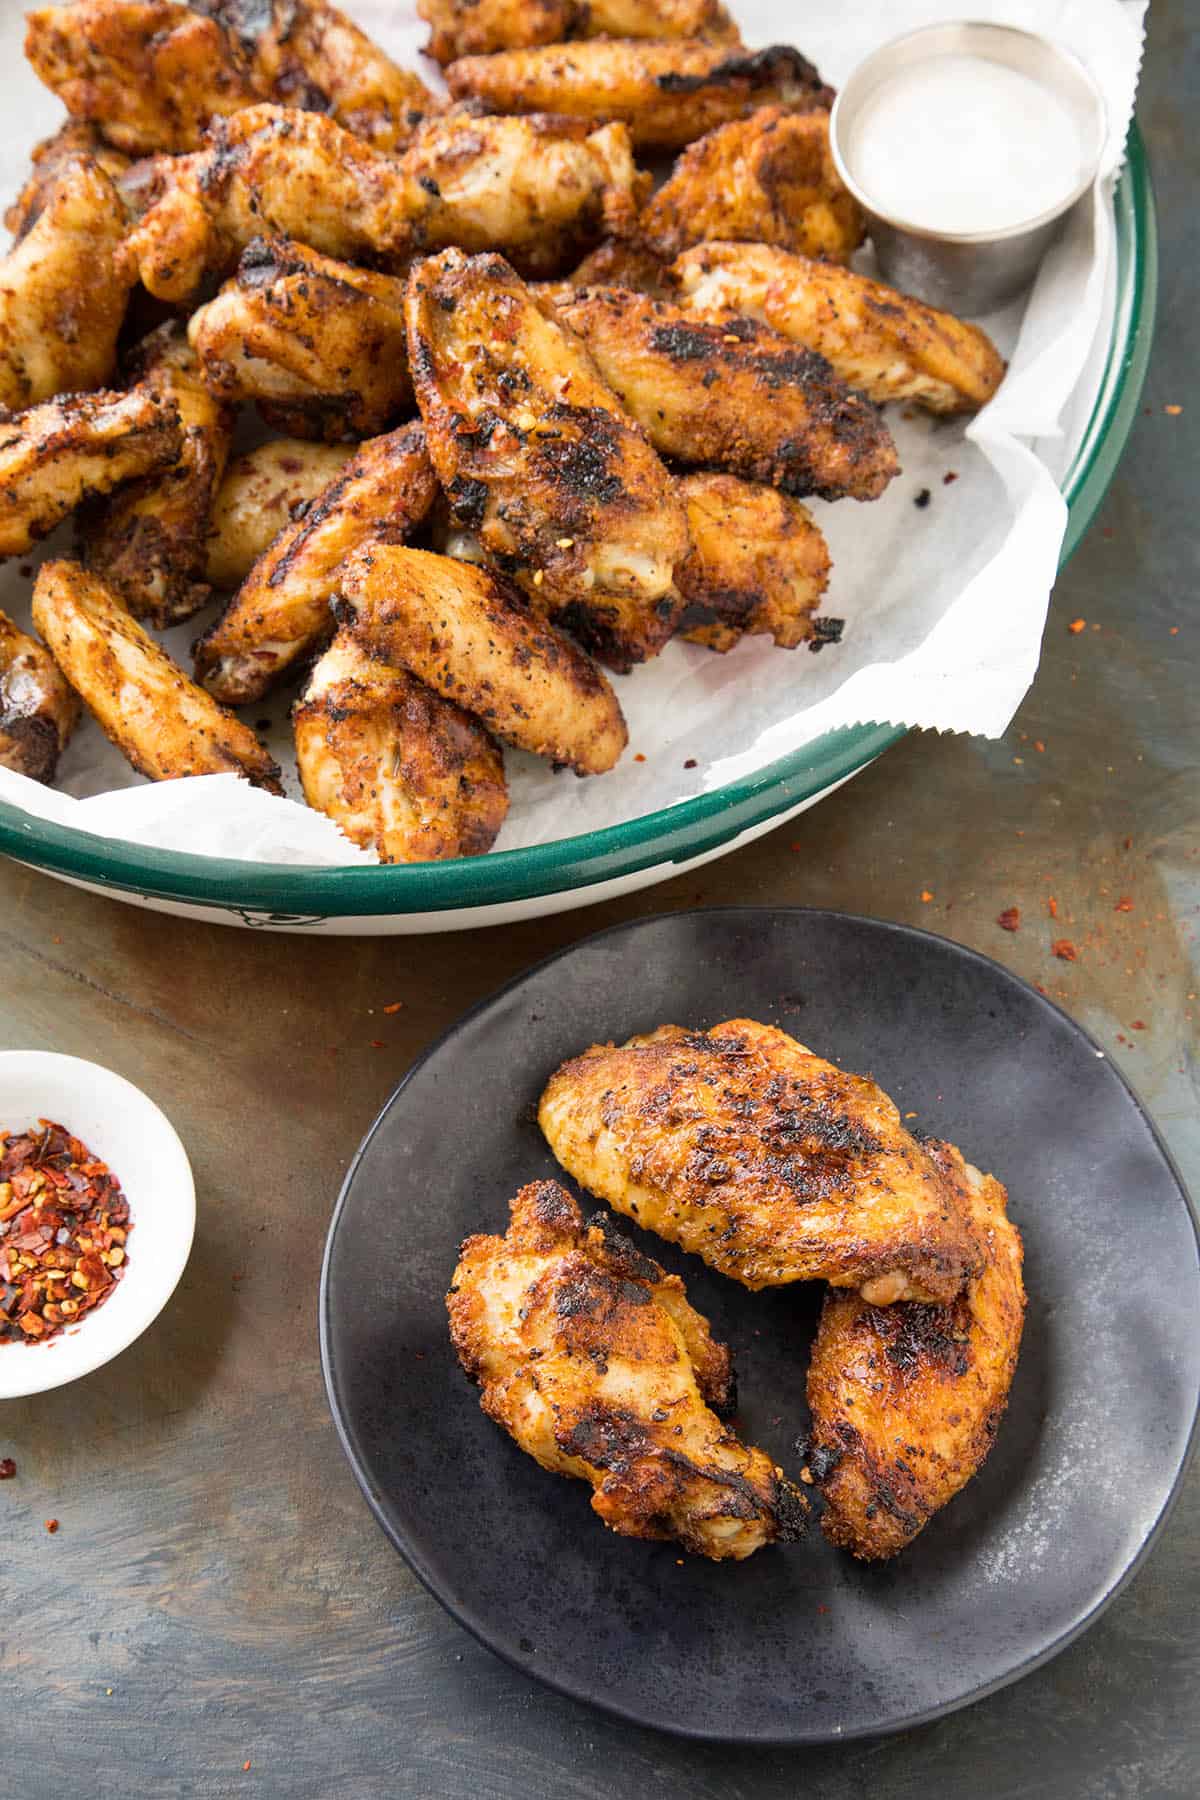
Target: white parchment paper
[{"x": 944, "y": 605}]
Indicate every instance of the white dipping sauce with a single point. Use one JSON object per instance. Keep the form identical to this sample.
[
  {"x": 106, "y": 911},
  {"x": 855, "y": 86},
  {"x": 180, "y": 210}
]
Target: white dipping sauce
[{"x": 961, "y": 143}]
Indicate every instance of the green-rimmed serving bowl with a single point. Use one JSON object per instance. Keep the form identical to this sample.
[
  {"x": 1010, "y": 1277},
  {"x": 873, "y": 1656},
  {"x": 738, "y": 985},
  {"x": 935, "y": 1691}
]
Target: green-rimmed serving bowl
[{"x": 596, "y": 865}]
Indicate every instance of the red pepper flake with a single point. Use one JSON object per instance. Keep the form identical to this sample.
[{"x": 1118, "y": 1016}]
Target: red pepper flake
[
  {"x": 8, "y": 1468},
  {"x": 1052, "y": 907},
  {"x": 1077, "y": 625},
  {"x": 639, "y": 757},
  {"x": 822, "y": 1609},
  {"x": 51, "y": 1525},
  {"x": 795, "y": 848},
  {"x": 1138, "y": 1025},
  {"x": 1065, "y": 950},
  {"x": 1124, "y": 904},
  {"x": 691, "y": 763},
  {"x": 1009, "y": 919},
  {"x": 949, "y": 476},
  {"x": 245, "y": 1766},
  {"x": 1108, "y": 532},
  {"x": 1038, "y": 744},
  {"x": 64, "y": 1223},
  {"x": 1173, "y": 411},
  {"x": 926, "y": 896},
  {"x": 394, "y": 1008},
  {"x": 378, "y": 1044},
  {"x": 1128, "y": 844}
]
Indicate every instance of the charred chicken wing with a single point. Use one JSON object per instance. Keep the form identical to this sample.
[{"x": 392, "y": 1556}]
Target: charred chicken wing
[
  {"x": 264, "y": 491},
  {"x": 281, "y": 611},
  {"x": 758, "y": 564},
  {"x": 477, "y": 27},
  {"x": 38, "y": 709},
  {"x": 768, "y": 1162},
  {"x": 539, "y": 459},
  {"x": 399, "y": 769},
  {"x": 591, "y": 1358},
  {"x": 886, "y": 344},
  {"x": 165, "y": 725},
  {"x": 906, "y": 1400},
  {"x": 623, "y": 262}
]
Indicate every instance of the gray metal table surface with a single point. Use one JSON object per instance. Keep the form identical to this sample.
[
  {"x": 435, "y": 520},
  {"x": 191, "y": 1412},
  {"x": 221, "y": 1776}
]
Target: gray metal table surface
[{"x": 218, "y": 1613}]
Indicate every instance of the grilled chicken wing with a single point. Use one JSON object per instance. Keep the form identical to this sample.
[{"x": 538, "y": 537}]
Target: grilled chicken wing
[
  {"x": 889, "y": 345},
  {"x": 768, "y": 1162},
  {"x": 38, "y": 709},
  {"x": 62, "y": 298},
  {"x": 281, "y": 611},
  {"x": 770, "y": 178},
  {"x": 734, "y": 396},
  {"x": 148, "y": 540},
  {"x": 621, "y": 262},
  {"x": 906, "y": 1400},
  {"x": 71, "y": 143},
  {"x": 667, "y": 93},
  {"x": 165, "y": 725},
  {"x": 758, "y": 564},
  {"x": 477, "y": 27},
  {"x": 263, "y": 492},
  {"x": 399, "y": 769},
  {"x": 319, "y": 344},
  {"x": 591, "y": 1359},
  {"x": 538, "y": 458},
  {"x": 66, "y": 450},
  {"x": 467, "y": 634}
]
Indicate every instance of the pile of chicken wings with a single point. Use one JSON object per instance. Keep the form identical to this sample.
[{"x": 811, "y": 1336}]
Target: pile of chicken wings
[{"x": 533, "y": 416}]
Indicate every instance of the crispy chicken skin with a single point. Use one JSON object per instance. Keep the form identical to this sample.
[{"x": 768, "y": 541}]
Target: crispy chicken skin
[
  {"x": 148, "y": 539},
  {"x": 478, "y": 27},
  {"x": 886, "y": 344},
  {"x": 667, "y": 93},
  {"x": 770, "y": 178},
  {"x": 538, "y": 458},
  {"x": 281, "y": 611},
  {"x": 38, "y": 708},
  {"x": 906, "y": 1400},
  {"x": 264, "y": 491},
  {"x": 62, "y": 298},
  {"x": 767, "y": 1161},
  {"x": 468, "y": 635},
  {"x": 165, "y": 725},
  {"x": 71, "y": 143},
  {"x": 758, "y": 564},
  {"x": 62, "y": 452},
  {"x": 622, "y": 262},
  {"x": 399, "y": 769},
  {"x": 318, "y": 343},
  {"x": 591, "y": 1358},
  {"x": 733, "y": 396}
]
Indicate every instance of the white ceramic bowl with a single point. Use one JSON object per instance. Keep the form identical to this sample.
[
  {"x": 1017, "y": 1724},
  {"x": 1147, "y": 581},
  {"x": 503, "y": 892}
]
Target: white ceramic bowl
[{"x": 128, "y": 1132}]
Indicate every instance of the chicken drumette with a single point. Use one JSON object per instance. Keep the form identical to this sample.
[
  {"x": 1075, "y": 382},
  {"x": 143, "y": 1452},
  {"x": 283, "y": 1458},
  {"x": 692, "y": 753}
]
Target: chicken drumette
[
  {"x": 758, "y": 564},
  {"x": 38, "y": 709},
  {"x": 265, "y": 490}
]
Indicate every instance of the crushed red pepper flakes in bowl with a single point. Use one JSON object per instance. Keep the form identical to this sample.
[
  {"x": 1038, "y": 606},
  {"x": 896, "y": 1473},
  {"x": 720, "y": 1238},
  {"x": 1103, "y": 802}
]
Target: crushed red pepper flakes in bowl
[{"x": 64, "y": 1224}]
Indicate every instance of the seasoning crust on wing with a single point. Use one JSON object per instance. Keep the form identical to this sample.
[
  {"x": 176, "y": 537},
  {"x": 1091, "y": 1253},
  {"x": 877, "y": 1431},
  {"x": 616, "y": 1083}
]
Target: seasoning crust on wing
[
  {"x": 478, "y": 27},
  {"x": 758, "y": 564},
  {"x": 38, "y": 709},
  {"x": 264, "y": 491},
  {"x": 590, "y": 1358}
]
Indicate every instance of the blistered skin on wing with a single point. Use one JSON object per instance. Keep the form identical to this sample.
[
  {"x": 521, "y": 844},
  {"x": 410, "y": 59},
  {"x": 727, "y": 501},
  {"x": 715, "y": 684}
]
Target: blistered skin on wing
[
  {"x": 318, "y": 343},
  {"x": 667, "y": 93},
  {"x": 148, "y": 540},
  {"x": 886, "y": 344},
  {"x": 538, "y": 458},
  {"x": 71, "y": 143},
  {"x": 768, "y": 1162},
  {"x": 38, "y": 708},
  {"x": 591, "y": 1359},
  {"x": 70, "y": 449},
  {"x": 281, "y": 611},
  {"x": 770, "y": 178},
  {"x": 621, "y": 262},
  {"x": 478, "y": 27},
  {"x": 469, "y": 636},
  {"x": 312, "y": 55},
  {"x": 906, "y": 1400},
  {"x": 733, "y": 396},
  {"x": 398, "y": 768},
  {"x": 165, "y": 725},
  {"x": 758, "y": 564},
  {"x": 264, "y": 491},
  {"x": 62, "y": 298}
]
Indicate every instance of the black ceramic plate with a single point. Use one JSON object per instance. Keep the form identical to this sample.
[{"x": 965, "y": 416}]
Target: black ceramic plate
[{"x": 799, "y": 1644}]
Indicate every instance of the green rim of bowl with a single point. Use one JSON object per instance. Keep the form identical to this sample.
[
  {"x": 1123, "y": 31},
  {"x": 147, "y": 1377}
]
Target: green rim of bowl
[{"x": 680, "y": 833}]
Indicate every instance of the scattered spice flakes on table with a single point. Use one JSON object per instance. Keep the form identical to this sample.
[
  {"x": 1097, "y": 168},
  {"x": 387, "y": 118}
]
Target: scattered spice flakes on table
[
  {"x": 1065, "y": 950},
  {"x": 1009, "y": 919},
  {"x": 51, "y": 1525},
  {"x": 64, "y": 1223},
  {"x": 1076, "y": 626},
  {"x": 8, "y": 1468}
]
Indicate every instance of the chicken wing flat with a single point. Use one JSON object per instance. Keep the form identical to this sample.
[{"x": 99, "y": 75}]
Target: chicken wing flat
[
  {"x": 318, "y": 343},
  {"x": 478, "y": 27},
  {"x": 55, "y": 455},
  {"x": 758, "y": 564},
  {"x": 62, "y": 298},
  {"x": 399, "y": 769},
  {"x": 264, "y": 491},
  {"x": 538, "y": 458},
  {"x": 733, "y": 396},
  {"x": 468, "y": 635},
  {"x": 770, "y": 178},
  {"x": 667, "y": 93},
  {"x": 165, "y": 725},
  {"x": 768, "y": 1162},
  {"x": 886, "y": 344},
  {"x": 281, "y": 611},
  {"x": 906, "y": 1400},
  {"x": 38, "y": 709},
  {"x": 148, "y": 539},
  {"x": 623, "y": 262},
  {"x": 592, "y": 1360},
  {"x": 71, "y": 143}
]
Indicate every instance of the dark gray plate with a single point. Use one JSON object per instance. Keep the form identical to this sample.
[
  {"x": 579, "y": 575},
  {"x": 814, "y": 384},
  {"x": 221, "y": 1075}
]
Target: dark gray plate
[{"x": 799, "y": 1644}]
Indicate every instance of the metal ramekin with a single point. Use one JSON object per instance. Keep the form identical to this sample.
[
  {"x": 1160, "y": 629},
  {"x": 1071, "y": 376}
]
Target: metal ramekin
[{"x": 969, "y": 272}]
